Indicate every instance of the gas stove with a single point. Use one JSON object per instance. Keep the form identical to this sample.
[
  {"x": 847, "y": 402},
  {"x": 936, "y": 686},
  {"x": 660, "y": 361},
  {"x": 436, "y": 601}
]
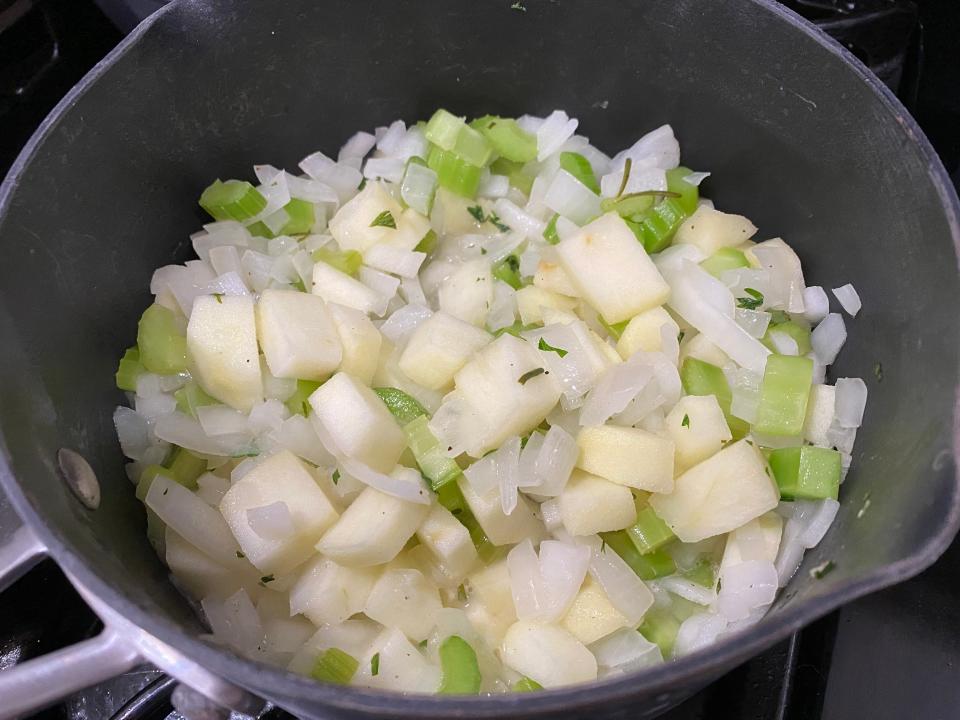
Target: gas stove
[{"x": 890, "y": 655}]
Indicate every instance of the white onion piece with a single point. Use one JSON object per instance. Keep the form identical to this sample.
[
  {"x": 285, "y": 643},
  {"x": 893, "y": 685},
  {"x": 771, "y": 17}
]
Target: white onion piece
[
  {"x": 312, "y": 191},
  {"x": 418, "y": 187},
  {"x": 563, "y": 566},
  {"x": 689, "y": 590},
  {"x": 402, "y": 483},
  {"x": 555, "y": 461},
  {"x": 389, "y": 169},
  {"x": 755, "y": 322},
  {"x": 154, "y": 406},
  {"x": 281, "y": 245},
  {"x": 133, "y": 432},
  {"x": 500, "y": 246},
  {"x": 267, "y": 416},
  {"x": 399, "y": 326},
  {"x": 571, "y": 198},
  {"x": 745, "y": 587},
  {"x": 745, "y": 393},
  {"x": 211, "y": 488},
  {"x": 344, "y": 179},
  {"x": 225, "y": 233},
  {"x": 695, "y": 178},
  {"x": 784, "y": 344},
  {"x": 503, "y": 309},
  {"x": 271, "y": 522},
  {"x": 518, "y": 219},
  {"x": 494, "y": 186},
  {"x": 625, "y": 590},
  {"x": 818, "y": 521},
  {"x": 235, "y": 621},
  {"x": 565, "y": 228},
  {"x": 644, "y": 177},
  {"x": 229, "y": 283},
  {"x": 550, "y": 514},
  {"x": 790, "y": 553},
  {"x": 816, "y": 304},
  {"x": 180, "y": 429},
  {"x": 356, "y": 148},
  {"x": 412, "y": 291},
  {"x": 553, "y": 132},
  {"x": 851, "y": 401},
  {"x": 624, "y": 651},
  {"x": 785, "y": 272},
  {"x": 482, "y": 475},
  {"x": 225, "y": 259},
  {"x": 618, "y": 385},
  {"x": 384, "y": 285},
  {"x": 256, "y": 267},
  {"x": 697, "y": 632},
  {"x": 221, "y": 420},
  {"x": 389, "y": 138},
  {"x": 828, "y": 337},
  {"x": 297, "y": 435},
  {"x": 529, "y": 479},
  {"x": 841, "y": 438},
  {"x": 508, "y": 471},
  {"x": 523, "y": 567}
]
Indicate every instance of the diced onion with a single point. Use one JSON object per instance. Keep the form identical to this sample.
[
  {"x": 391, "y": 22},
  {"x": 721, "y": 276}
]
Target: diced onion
[
  {"x": 828, "y": 337},
  {"x": 571, "y": 198},
  {"x": 851, "y": 401},
  {"x": 402, "y": 483},
  {"x": 624, "y": 651},
  {"x": 746, "y": 586},
  {"x": 555, "y": 130},
  {"x": 271, "y": 522},
  {"x": 399, "y": 326},
  {"x": 816, "y": 304}
]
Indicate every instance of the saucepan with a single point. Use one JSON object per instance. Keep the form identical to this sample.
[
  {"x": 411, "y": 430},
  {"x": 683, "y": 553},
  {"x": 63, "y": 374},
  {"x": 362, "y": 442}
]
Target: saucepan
[{"x": 806, "y": 142}]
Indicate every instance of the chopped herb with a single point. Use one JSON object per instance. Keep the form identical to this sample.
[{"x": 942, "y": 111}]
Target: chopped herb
[
  {"x": 166, "y": 490},
  {"x": 547, "y": 347},
  {"x": 462, "y": 594},
  {"x": 627, "y": 166},
  {"x": 483, "y": 251},
  {"x": 532, "y": 374},
  {"x": 240, "y": 555},
  {"x": 680, "y": 336},
  {"x": 753, "y": 302},
  {"x": 495, "y": 220},
  {"x": 878, "y": 371},
  {"x": 603, "y": 545},
  {"x": 267, "y": 579},
  {"x": 384, "y": 219},
  {"x": 375, "y": 664},
  {"x": 477, "y": 212},
  {"x": 778, "y": 317},
  {"x": 519, "y": 6},
  {"x": 219, "y": 297},
  {"x": 686, "y": 421},
  {"x": 336, "y": 476},
  {"x": 822, "y": 570},
  {"x": 362, "y": 185},
  {"x": 422, "y": 644}
]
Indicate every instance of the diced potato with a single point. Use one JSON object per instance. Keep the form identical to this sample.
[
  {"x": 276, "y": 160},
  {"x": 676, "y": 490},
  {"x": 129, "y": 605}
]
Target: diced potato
[
  {"x": 280, "y": 478},
  {"x": 372, "y": 530},
  {"x": 627, "y": 456},
  {"x": 298, "y": 337},
  {"x": 500, "y": 528},
  {"x": 759, "y": 539},
  {"x": 490, "y": 602},
  {"x": 710, "y": 230},
  {"x": 589, "y": 504},
  {"x": 200, "y": 575},
  {"x": 550, "y": 276},
  {"x": 643, "y": 332},
  {"x": 405, "y": 600},
  {"x": 359, "y": 423},
  {"x": 591, "y": 615},
  {"x": 338, "y": 287},
  {"x": 360, "y": 340},
  {"x": 698, "y": 346},
  {"x": 698, "y": 429},
  {"x": 820, "y": 409},
  {"x": 351, "y": 226},
  {"x": 531, "y": 300},
  {"x": 611, "y": 270},
  {"x": 722, "y": 493},
  {"x": 468, "y": 292},
  {"x": 548, "y": 654},
  {"x": 438, "y": 348},
  {"x": 222, "y": 341},
  {"x": 448, "y": 540},
  {"x": 402, "y": 667},
  {"x": 328, "y": 593},
  {"x": 411, "y": 227},
  {"x": 451, "y": 215}
]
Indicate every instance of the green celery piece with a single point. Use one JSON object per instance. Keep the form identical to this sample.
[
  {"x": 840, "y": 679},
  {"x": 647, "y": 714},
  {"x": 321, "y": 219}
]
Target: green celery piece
[
  {"x": 783, "y": 395},
  {"x": 443, "y": 129},
  {"x": 702, "y": 573},
  {"x": 260, "y": 229},
  {"x": 689, "y": 194},
  {"x": 681, "y": 608},
  {"x": 301, "y": 219},
  {"x": 660, "y": 627},
  {"x": 702, "y": 378},
  {"x": 526, "y": 684},
  {"x": 129, "y": 369},
  {"x": 185, "y": 468},
  {"x": 806, "y": 472},
  {"x": 473, "y": 147},
  {"x": 163, "y": 348},
  {"x": 298, "y": 403},
  {"x": 655, "y": 227},
  {"x": 800, "y": 334},
  {"x": 508, "y": 270},
  {"x": 578, "y": 166},
  {"x": 346, "y": 261},
  {"x": 435, "y": 466},
  {"x": 450, "y": 496},
  {"x": 232, "y": 200},
  {"x": 616, "y": 329},
  {"x": 190, "y": 397},
  {"x": 460, "y": 671},
  {"x": 453, "y": 172},
  {"x": 509, "y": 140},
  {"x": 428, "y": 243},
  {"x": 402, "y": 406},
  {"x": 724, "y": 259},
  {"x": 628, "y": 205},
  {"x": 519, "y": 179},
  {"x": 647, "y": 567},
  {"x": 649, "y": 532},
  {"x": 550, "y": 232},
  {"x": 333, "y": 665}
]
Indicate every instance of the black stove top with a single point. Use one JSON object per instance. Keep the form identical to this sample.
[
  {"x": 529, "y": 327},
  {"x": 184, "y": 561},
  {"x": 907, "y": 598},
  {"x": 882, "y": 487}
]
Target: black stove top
[{"x": 895, "y": 654}]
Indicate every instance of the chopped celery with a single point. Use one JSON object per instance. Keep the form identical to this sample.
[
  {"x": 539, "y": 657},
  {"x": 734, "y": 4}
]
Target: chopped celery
[
  {"x": 702, "y": 378},
  {"x": 404, "y": 408},
  {"x": 260, "y": 229},
  {"x": 301, "y": 217},
  {"x": 185, "y": 468},
  {"x": 473, "y": 147},
  {"x": 129, "y": 369},
  {"x": 655, "y": 227},
  {"x": 629, "y": 205},
  {"x": 578, "y": 166},
  {"x": 550, "y": 232},
  {"x": 435, "y": 466},
  {"x": 647, "y": 567},
  {"x": 428, "y": 243},
  {"x": 346, "y": 261},
  {"x": 333, "y": 665},
  {"x": 453, "y": 172},
  {"x": 190, "y": 397},
  {"x": 508, "y": 139},
  {"x": 526, "y": 684},
  {"x": 800, "y": 335},
  {"x": 702, "y": 573},
  {"x": 460, "y": 671},
  {"x": 615, "y": 329},
  {"x": 443, "y": 129},
  {"x": 452, "y": 499},
  {"x": 660, "y": 627},
  {"x": 681, "y": 608},
  {"x": 508, "y": 270},
  {"x": 514, "y": 171},
  {"x": 232, "y": 200},
  {"x": 163, "y": 348},
  {"x": 649, "y": 532},
  {"x": 689, "y": 193},
  {"x": 806, "y": 472},
  {"x": 783, "y": 395},
  {"x": 724, "y": 259},
  {"x": 298, "y": 402}
]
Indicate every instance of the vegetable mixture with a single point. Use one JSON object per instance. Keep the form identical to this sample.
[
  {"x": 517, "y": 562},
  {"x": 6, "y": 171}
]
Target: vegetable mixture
[{"x": 476, "y": 408}]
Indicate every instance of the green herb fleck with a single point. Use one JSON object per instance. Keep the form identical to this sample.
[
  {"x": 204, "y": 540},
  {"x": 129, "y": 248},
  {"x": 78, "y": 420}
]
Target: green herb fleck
[
  {"x": 384, "y": 219},
  {"x": 753, "y": 302},
  {"x": 362, "y": 185},
  {"x": 529, "y": 375},
  {"x": 686, "y": 421},
  {"x": 240, "y": 555},
  {"x": 878, "y": 371},
  {"x": 267, "y": 579},
  {"x": 477, "y": 212},
  {"x": 483, "y": 251},
  {"x": 462, "y": 594},
  {"x": 336, "y": 476},
  {"x": 375, "y": 664},
  {"x": 822, "y": 570},
  {"x": 778, "y": 317},
  {"x": 627, "y": 166},
  {"x": 547, "y": 347},
  {"x": 498, "y": 223},
  {"x": 219, "y": 297},
  {"x": 603, "y": 545},
  {"x": 519, "y": 6},
  {"x": 680, "y": 336},
  {"x": 422, "y": 644}
]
